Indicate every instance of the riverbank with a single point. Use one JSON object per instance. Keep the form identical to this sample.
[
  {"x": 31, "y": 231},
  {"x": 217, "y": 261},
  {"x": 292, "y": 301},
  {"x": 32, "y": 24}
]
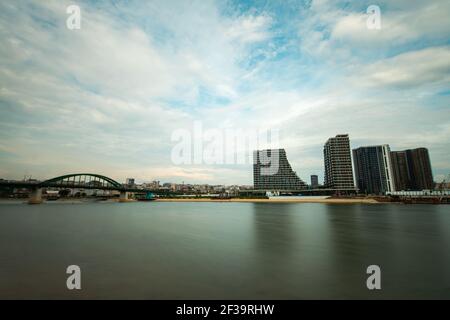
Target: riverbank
[
  {"x": 283, "y": 200},
  {"x": 254, "y": 200}
]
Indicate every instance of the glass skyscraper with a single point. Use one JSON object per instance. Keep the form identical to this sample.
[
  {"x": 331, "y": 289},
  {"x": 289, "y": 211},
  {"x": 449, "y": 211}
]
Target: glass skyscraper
[
  {"x": 373, "y": 170},
  {"x": 412, "y": 169}
]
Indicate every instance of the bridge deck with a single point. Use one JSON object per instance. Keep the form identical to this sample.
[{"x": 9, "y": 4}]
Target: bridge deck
[{"x": 37, "y": 184}]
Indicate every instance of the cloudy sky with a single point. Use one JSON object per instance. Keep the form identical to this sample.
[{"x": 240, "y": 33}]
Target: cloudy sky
[{"x": 108, "y": 97}]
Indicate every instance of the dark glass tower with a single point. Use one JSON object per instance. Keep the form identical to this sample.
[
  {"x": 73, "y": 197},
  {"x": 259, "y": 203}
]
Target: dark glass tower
[
  {"x": 412, "y": 169},
  {"x": 373, "y": 171},
  {"x": 314, "y": 181}
]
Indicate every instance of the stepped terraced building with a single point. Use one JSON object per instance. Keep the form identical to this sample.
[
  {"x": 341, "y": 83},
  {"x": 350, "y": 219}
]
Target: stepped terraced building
[{"x": 272, "y": 171}]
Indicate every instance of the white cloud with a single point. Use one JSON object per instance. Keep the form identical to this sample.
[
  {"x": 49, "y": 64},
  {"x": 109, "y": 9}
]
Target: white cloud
[
  {"x": 249, "y": 29},
  {"x": 428, "y": 67},
  {"x": 107, "y": 97},
  {"x": 102, "y": 90},
  {"x": 344, "y": 31}
]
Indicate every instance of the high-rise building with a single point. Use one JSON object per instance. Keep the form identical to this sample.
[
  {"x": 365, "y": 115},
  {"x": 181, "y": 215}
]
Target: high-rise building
[
  {"x": 130, "y": 182},
  {"x": 412, "y": 169},
  {"x": 338, "y": 163},
  {"x": 272, "y": 171},
  {"x": 373, "y": 170},
  {"x": 400, "y": 170},
  {"x": 420, "y": 169},
  {"x": 314, "y": 181}
]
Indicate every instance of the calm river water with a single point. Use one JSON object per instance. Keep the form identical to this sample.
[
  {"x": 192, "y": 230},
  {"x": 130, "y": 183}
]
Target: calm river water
[{"x": 167, "y": 250}]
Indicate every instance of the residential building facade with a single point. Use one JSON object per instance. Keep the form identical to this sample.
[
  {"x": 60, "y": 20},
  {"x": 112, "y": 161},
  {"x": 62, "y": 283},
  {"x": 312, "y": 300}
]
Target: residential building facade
[
  {"x": 412, "y": 169},
  {"x": 314, "y": 181},
  {"x": 272, "y": 171},
  {"x": 373, "y": 169},
  {"x": 338, "y": 163}
]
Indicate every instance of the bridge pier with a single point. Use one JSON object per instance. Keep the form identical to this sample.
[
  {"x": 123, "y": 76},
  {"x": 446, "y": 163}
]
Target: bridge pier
[
  {"x": 35, "y": 196},
  {"x": 124, "y": 196}
]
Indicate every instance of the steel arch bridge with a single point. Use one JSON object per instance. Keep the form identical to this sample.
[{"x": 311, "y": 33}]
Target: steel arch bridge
[
  {"x": 74, "y": 181},
  {"x": 78, "y": 181},
  {"x": 83, "y": 181}
]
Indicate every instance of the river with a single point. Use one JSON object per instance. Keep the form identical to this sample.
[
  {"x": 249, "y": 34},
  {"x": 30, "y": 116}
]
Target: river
[{"x": 155, "y": 250}]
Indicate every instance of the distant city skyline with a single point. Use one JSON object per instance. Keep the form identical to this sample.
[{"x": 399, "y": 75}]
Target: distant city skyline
[{"x": 107, "y": 98}]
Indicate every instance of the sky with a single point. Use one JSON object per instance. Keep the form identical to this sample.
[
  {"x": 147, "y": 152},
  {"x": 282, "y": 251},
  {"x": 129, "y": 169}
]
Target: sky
[{"x": 108, "y": 97}]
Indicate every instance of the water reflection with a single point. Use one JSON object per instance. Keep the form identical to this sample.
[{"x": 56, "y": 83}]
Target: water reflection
[
  {"x": 274, "y": 229},
  {"x": 224, "y": 250}
]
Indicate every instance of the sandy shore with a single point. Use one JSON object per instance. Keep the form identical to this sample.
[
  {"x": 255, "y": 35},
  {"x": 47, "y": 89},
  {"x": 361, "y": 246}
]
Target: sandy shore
[
  {"x": 306, "y": 200},
  {"x": 335, "y": 201}
]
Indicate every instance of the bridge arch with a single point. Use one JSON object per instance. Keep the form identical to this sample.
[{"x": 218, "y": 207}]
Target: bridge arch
[{"x": 82, "y": 180}]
